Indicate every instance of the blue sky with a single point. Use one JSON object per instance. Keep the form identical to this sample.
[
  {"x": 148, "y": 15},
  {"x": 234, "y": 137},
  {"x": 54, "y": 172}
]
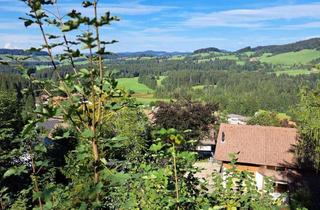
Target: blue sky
[{"x": 182, "y": 25}]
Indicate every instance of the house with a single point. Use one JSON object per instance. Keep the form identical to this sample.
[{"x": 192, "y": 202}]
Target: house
[
  {"x": 263, "y": 150},
  {"x": 236, "y": 119}
]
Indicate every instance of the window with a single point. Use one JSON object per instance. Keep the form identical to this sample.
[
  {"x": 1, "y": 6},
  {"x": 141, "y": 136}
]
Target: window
[
  {"x": 223, "y": 137},
  {"x": 271, "y": 167}
]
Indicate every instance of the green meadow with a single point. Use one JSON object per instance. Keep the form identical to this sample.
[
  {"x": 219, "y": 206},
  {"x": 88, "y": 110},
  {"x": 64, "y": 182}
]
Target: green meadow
[
  {"x": 134, "y": 85},
  {"x": 291, "y": 58},
  {"x": 142, "y": 93}
]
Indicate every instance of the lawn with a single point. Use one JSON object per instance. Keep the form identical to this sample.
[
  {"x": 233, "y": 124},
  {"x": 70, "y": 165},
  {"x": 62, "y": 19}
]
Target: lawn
[
  {"x": 143, "y": 94},
  {"x": 291, "y": 58},
  {"x": 134, "y": 85}
]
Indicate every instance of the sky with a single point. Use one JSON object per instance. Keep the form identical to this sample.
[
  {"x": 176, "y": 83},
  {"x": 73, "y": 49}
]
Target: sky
[{"x": 180, "y": 25}]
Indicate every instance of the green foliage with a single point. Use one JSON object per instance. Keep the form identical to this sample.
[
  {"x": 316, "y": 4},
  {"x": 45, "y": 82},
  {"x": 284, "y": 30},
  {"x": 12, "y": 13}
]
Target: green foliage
[
  {"x": 266, "y": 118},
  {"x": 149, "y": 81},
  {"x": 237, "y": 190},
  {"x": 135, "y": 136},
  {"x": 308, "y": 114},
  {"x": 102, "y": 155},
  {"x": 238, "y": 92},
  {"x": 186, "y": 115},
  {"x": 10, "y": 124}
]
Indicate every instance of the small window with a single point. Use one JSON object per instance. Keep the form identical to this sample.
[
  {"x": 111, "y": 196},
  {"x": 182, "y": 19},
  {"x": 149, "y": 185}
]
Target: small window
[
  {"x": 271, "y": 167},
  {"x": 223, "y": 137}
]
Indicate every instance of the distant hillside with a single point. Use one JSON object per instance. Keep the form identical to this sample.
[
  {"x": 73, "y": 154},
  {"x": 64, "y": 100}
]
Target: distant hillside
[
  {"x": 313, "y": 43},
  {"x": 208, "y": 50},
  {"x": 150, "y": 53},
  {"x": 245, "y": 49},
  {"x": 21, "y": 52}
]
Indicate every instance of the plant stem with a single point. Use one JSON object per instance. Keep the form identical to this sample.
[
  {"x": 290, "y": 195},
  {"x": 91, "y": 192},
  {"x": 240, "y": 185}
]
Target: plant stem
[
  {"x": 98, "y": 40},
  {"x": 35, "y": 180},
  {"x": 66, "y": 42},
  {"x": 175, "y": 174},
  {"x": 95, "y": 150}
]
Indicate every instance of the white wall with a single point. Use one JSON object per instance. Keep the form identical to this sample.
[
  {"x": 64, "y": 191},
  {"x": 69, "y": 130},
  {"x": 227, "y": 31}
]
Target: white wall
[
  {"x": 204, "y": 148},
  {"x": 259, "y": 180}
]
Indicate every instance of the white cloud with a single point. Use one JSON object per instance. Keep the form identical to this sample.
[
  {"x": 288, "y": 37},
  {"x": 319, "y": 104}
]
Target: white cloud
[
  {"x": 128, "y": 8},
  {"x": 314, "y": 24},
  {"x": 252, "y": 18},
  {"x": 11, "y": 25},
  {"x": 20, "y": 41},
  {"x": 8, "y": 46},
  {"x": 138, "y": 40}
]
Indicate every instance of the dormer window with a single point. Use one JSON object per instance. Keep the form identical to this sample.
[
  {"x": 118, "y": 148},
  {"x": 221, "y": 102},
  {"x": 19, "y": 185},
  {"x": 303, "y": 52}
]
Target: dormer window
[{"x": 223, "y": 137}]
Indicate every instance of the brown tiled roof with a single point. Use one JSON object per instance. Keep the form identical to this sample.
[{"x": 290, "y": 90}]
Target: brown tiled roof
[
  {"x": 261, "y": 145},
  {"x": 281, "y": 176}
]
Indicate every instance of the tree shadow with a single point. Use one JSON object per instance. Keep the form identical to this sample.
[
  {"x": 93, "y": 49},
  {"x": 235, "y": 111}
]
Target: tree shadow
[{"x": 304, "y": 181}]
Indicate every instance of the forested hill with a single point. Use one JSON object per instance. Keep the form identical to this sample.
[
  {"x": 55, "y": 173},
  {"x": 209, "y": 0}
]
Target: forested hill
[
  {"x": 313, "y": 43},
  {"x": 21, "y": 52},
  {"x": 150, "y": 53},
  {"x": 208, "y": 50}
]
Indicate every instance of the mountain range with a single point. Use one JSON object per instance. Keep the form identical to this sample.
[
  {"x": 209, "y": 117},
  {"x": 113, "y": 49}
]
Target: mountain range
[{"x": 313, "y": 43}]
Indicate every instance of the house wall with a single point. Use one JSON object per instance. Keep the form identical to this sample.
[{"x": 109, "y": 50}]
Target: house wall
[
  {"x": 250, "y": 168},
  {"x": 259, "y": 180},
  {"x": 279, "y": 186},
  {"x": 204, "y": 148}
]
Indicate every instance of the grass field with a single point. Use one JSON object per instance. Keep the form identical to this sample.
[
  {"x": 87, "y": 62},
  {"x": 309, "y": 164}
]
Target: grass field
[
  {"x": 228, "y": 57},
  {"x": 177, "y": 57},
  {"x": 198, "y": 87},
  {"x": 143, "y": 94},
  {"x": 249, "y": 53},
  {"x": 134, "y": 85},
  {"x": 294, "y": 72},
  {"x": 291, "y": 58}
]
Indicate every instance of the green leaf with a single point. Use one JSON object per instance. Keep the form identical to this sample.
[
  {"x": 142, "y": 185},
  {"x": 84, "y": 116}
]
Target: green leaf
[
  {"x": 156, "y": 147},
  {"x": 28, "y": 127},
  {"x": 84, "y": 71},
  {"x": 52, "y": 36},
  {"x": 9, "y": 172},
  {"x": 42, "y": 163},
  {"x": 40, "y": 148},
  {"x": 15, "y": 171},
  {"x": 87, "y": 133},
  {"x": 83, "y": 206},
  {"x": 66, "y": 134},
  {"x": 103, "y": 160},
  {"x": 118, "y": 178},
  {"x": 79, "y": 89},
  {"x": 86, "y": 4},
  {"x": 27, "y": 22},
  {"x": 65, "y": 28}
]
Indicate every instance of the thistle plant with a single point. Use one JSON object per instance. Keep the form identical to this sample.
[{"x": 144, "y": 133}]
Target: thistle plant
[{"x": 89, "y": 94}]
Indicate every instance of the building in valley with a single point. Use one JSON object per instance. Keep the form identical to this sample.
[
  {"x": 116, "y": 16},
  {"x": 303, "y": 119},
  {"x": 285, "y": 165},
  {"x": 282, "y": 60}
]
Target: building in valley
[
  {"x": 263, "y": 150},
  {"x": 235, "y": 119}
]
